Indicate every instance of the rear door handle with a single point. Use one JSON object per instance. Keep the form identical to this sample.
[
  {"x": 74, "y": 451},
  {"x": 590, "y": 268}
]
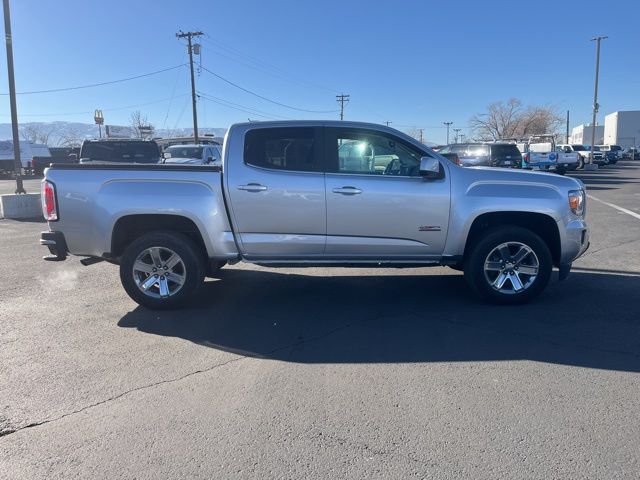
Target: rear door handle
[
  {"x": 252, "y": 187},
  {"x": 347, "y": 190}
]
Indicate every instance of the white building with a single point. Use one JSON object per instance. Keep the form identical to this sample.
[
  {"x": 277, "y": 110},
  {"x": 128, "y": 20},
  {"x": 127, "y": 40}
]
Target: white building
[
  {"x": 622, "y": 128},
  {"x": 582, "y": 134}
]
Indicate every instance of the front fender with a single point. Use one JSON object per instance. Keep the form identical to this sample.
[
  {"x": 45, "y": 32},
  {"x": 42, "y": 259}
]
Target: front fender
[{"x": 495, "y": 196}]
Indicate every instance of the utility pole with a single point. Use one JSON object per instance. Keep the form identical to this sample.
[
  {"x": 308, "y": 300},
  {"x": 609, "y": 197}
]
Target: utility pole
[
  {"x": 12, "y": 99},
  {"x": 448, "y": 124},
  {"x": 388, "y": 122},
  {"x": 342, "y": 99},
  {"x": 596, "y": 107},
  {"x": 567, "y": 127},
  {"x": 189, "y": 36},
  {"x": 421, "y": 130},
  {"x": 457, "y": 130}
]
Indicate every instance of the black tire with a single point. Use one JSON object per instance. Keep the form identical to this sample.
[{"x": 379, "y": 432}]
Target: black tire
[
  {"x": 191, "y": 269},
  {"x": 474, "y": 265},
  {"x": 561, "y": 170}
]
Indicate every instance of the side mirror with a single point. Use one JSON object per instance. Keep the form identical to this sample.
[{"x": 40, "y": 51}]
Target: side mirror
[
  {"x": 210, "y": 159},
  {"x": 73, "y": 157},
  {"x": 166, "y": 155},
  {"x": 429, "y": 167}
]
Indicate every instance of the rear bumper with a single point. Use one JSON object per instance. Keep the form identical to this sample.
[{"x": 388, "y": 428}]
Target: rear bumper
[{"x": 56, "y": 244}]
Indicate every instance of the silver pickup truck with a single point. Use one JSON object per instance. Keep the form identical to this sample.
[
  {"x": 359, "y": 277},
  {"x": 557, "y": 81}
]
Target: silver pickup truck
[{"x": 315, "y": 193}]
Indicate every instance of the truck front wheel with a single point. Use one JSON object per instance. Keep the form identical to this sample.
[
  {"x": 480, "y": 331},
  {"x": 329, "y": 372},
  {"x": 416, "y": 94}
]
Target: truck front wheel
[
  {"x": 162, "y": 270},
  {"x": 509, "y": 265}
]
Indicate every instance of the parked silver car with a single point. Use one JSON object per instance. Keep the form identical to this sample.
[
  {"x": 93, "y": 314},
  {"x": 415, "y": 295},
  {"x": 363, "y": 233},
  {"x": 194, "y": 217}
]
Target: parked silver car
[{"x": 316, "y": 194}]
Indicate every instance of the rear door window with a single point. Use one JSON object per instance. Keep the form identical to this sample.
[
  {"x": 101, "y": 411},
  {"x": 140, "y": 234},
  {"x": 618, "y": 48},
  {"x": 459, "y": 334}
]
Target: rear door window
[{"x": 294, "y": 149}]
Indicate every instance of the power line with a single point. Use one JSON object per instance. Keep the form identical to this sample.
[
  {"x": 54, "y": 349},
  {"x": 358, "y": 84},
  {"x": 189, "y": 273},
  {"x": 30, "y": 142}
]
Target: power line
[
  {"x": 260, "y": 65},
  {"x": 67, "y": 114},
  {"x": 239, "y": 107},
  {"x": 66, "y": 89},
  {"x": 263, "y": 97}
]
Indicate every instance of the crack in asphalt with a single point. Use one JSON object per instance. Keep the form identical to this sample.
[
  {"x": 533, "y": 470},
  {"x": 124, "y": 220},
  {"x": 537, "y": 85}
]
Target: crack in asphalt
[
  {"x": 9, "y": 431},
  {"x": 326, "y": 438}
]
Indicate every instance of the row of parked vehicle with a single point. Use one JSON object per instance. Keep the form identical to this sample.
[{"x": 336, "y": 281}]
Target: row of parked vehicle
[
  {"x": 36, "y": 157},
  {"x": 538, "y": 152}
]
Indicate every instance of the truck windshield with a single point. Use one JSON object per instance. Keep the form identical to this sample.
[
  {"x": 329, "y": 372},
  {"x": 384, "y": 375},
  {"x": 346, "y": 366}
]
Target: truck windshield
[
  {"x": 121, "y": 152},
  {"x": 184, "y": 152},
  {"x": 579, "y": 148}
]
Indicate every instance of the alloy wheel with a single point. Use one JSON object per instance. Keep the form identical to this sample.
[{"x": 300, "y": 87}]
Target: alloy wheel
[
  {"x": 511, "y": 267},
  {"x": 159, "y": 272}
]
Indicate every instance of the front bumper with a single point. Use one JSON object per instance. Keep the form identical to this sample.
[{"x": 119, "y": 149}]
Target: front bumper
[
  {"x": 56, "y": 244},
  {"x": 575, "y": 240}
]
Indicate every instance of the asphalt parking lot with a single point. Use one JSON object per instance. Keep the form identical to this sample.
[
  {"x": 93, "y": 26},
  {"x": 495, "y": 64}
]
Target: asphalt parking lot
[{"x": 320, "y": 373}]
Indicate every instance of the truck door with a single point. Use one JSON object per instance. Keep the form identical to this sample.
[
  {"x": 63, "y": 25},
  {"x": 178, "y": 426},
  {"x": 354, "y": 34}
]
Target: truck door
[
  {"x": 277, "y": 193},
  {"x": 378, "y": 205}
]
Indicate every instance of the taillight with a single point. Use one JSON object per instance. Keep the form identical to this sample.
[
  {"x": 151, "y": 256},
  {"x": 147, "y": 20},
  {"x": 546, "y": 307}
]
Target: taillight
[
  {"x": 525, "y": 157},
  {"x": 48, "y": 196}
]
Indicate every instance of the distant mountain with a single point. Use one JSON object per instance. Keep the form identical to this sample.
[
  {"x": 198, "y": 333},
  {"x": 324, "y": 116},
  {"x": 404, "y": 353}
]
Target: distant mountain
[{"x": 59, "y": 132}]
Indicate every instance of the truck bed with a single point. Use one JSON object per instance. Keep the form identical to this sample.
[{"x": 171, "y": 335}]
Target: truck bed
[{"x": 93, "y": 198}]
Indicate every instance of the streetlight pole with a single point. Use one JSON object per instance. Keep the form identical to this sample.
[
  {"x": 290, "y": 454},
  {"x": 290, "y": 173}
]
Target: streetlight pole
[
  {"x": 448, "y": 124},
  {"x": 12, "y": 98},
  {"x": 598, "y": 39}
]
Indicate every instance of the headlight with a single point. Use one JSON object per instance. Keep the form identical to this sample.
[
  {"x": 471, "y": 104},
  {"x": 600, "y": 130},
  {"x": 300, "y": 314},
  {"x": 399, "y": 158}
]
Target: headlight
[{"x": 576, "y": 201}]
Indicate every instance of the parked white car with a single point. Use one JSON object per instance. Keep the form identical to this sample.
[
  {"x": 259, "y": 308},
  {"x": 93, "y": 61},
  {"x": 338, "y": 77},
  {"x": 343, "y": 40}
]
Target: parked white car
[{"x": 193, "y": 154}]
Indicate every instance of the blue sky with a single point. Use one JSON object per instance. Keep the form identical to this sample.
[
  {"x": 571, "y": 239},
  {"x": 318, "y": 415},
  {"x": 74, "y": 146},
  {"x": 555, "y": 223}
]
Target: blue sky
[{"x": 414, "y": 63}]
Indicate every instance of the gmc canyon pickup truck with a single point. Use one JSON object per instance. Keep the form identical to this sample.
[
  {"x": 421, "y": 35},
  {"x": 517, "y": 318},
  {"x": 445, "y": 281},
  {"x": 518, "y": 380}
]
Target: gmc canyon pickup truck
[{"x": 315, "y": 193}]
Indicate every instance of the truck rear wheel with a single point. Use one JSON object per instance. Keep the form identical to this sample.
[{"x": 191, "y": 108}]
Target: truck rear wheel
[
  {"x": 162, "y": 270},
  {"x": 509, "y": 265}
]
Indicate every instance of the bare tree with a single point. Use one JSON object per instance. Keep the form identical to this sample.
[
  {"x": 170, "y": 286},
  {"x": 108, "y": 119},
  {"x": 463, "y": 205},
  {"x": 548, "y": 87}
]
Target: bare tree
[
  {"x": 511, "y": 119},
  {"x": 415, "y": 133},
  {"x": 140, "y": 124},
  {"x": 70, "y": 137},
  {"x": 38, "y": 132}
]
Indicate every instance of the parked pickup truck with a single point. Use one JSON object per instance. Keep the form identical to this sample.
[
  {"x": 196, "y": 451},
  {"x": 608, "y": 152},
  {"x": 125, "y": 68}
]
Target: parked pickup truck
[
  {"x": 543, "y": 154},
  {"x": 584, "y": 153},
  {"x": 317, "y": 193}
]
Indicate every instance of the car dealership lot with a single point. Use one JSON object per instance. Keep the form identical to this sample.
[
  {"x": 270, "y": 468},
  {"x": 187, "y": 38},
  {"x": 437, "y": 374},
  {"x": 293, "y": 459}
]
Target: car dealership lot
[{"x": 339, "y": 373}]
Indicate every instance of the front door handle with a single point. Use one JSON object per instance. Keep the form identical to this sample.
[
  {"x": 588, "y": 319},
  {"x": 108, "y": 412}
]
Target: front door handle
[
  {"x": 252, "y": 187},
  {"x": 347, "y": 190}
]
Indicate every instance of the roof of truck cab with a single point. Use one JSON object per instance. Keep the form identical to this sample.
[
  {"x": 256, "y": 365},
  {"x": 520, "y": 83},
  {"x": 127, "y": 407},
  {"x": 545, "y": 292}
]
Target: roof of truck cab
[{"x": 313, "y": 123}]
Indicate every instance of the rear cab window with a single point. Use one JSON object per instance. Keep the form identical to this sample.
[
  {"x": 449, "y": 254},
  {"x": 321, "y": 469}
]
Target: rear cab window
[
  {"x": 120, "y": 152},
  {"x": 505, "y": 150},
  {"x": 470, "y": 151}
]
